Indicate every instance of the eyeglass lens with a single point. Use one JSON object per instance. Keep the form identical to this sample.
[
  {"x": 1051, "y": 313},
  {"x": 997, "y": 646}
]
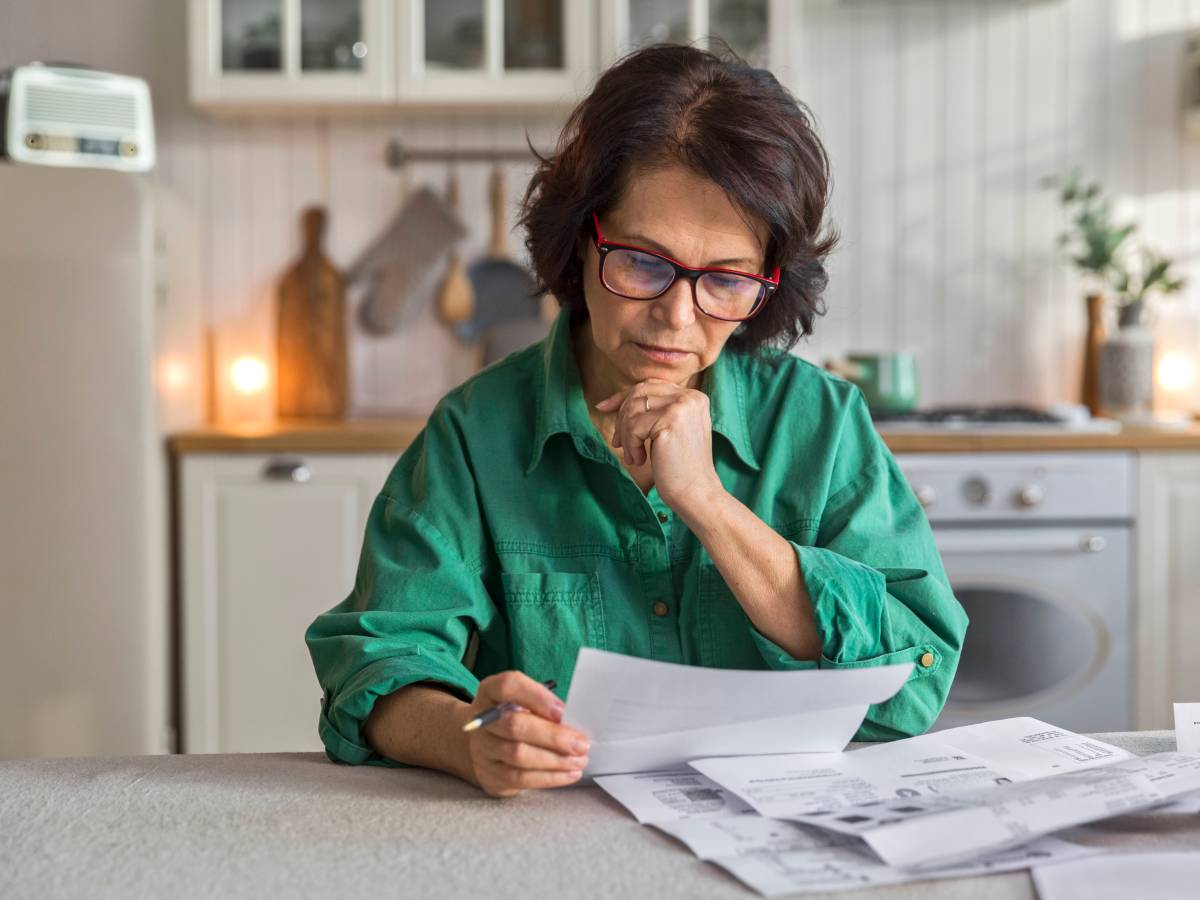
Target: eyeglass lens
[{"x": 641, "y": 276}]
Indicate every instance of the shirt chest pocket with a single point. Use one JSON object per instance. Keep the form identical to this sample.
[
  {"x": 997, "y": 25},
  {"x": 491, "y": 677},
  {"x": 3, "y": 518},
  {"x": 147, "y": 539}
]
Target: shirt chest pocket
[{"x": 550, "y": 616}]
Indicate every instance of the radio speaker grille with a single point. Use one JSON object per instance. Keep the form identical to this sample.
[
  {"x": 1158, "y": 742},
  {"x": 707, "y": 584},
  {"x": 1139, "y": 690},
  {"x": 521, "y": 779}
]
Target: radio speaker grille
[{"x": 47, "y": 104}]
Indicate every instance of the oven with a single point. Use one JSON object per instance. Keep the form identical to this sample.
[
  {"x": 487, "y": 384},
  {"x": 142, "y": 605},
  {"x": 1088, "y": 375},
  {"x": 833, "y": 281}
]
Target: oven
[{"x": 1038, "y": 548}]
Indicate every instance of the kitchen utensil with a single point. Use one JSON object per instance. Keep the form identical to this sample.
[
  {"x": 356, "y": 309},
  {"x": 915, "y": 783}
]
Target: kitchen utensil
[
  {"x": 401, "y": 266},
  {"x": 455, "y": 296},
  {"x": 888, "y": 380},
  {"x": 503, "y": 290},
  {"x": 311, "y": 332}
]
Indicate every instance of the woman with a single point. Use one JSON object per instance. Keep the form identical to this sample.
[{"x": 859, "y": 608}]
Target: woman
[{"x": 659, "y": 477}]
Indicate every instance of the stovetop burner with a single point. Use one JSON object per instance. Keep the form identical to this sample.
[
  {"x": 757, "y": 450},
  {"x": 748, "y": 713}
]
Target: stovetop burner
[
  {"x": 974, "y": 415},
  {"x": 1014, "y": 418}
]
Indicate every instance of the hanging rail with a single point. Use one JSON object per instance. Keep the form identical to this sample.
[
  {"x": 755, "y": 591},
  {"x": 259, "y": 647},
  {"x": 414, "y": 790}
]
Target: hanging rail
[{"x": 399, "y": 155}]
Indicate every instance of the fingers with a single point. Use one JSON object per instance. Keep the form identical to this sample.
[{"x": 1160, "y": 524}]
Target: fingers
[
  {"x": 501, "y": 780},
  {"x": 525, "y": 750},
  {"x": 631, "y": 406},
  {"x": 520, "y": 755},
  {"x": 538, "y": 732},
  {"x": 517, "y": 687},
  {"x": 636, "y": 425}
]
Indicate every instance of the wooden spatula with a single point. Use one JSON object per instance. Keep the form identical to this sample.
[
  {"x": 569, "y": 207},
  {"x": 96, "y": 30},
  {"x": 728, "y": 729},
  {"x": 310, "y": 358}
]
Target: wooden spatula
[{"x": 456, "y": 296}]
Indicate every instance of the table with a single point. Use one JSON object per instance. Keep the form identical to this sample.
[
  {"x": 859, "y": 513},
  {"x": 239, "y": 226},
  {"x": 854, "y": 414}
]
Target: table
[{"x": 298, "y": 825}]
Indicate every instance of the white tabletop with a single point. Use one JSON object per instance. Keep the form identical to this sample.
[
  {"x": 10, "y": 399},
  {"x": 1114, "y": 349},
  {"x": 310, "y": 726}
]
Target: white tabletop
[{"x": 297, "y": 825}]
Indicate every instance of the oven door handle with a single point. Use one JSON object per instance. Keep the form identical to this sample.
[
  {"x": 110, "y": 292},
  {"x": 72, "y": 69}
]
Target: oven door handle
[{"x": 1084, "y": 543}]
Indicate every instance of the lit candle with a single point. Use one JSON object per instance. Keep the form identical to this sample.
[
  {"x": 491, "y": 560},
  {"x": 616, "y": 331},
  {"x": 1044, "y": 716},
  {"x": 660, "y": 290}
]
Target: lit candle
[
  {"x": 248, "y": 374},
  {"x": 249, "y": 402}
]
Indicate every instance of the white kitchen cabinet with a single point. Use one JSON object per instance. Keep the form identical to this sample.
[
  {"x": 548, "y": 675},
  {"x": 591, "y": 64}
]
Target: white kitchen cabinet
[
  {"x": 305, "y": 55},
  {"x": 267, "y": 542},
  {"x": 277, "y": 54},
  {"x": 1168, "y": 584},
  {"x": 761, "y": 31},
  {"x": 489, "y": 53}
]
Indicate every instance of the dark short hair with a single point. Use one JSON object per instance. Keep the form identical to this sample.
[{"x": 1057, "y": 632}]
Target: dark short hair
[{"x": 724, "y": 119}]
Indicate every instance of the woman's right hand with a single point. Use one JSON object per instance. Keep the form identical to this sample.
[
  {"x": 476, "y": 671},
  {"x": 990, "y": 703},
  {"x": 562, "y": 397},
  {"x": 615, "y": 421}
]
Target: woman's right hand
[{"x": 527, "y": 749}]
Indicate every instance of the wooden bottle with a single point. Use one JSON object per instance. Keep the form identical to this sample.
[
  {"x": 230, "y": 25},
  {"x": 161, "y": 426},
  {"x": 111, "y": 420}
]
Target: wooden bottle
[{"x": 1091, "y": 354}]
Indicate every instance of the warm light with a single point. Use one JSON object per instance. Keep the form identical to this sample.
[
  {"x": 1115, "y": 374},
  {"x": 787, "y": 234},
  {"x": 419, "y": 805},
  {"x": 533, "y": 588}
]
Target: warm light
[
  {"x": 248, "y": 374},
  {"x": 173, "y": 375},
  {"x": 1176, "y": 372}
]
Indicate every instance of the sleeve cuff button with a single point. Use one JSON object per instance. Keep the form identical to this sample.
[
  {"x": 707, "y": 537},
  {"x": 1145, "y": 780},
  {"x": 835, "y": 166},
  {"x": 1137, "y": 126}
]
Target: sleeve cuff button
[{"x": 926, "y": 659}]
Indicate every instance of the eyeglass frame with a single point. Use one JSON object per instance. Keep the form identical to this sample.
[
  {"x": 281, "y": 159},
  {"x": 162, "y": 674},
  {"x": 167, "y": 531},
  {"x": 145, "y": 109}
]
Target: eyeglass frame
[{"x": 693, "y": 275}]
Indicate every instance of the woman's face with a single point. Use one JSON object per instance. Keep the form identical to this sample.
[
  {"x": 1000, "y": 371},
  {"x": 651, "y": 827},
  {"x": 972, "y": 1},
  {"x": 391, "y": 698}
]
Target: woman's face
[{"x": 687, "y": 217}]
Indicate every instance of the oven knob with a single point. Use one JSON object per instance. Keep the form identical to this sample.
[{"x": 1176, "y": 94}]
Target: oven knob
[
  {"x": 1030, "y": 495},
  {"x": 977, "y": 492},
  {"x": 926, "y": 495},
  {"x": 1093, "y": 543}
]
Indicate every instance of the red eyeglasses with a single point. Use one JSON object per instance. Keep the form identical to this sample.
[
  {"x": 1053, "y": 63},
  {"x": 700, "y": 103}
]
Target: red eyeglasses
[{"x": 639, "y": 274}]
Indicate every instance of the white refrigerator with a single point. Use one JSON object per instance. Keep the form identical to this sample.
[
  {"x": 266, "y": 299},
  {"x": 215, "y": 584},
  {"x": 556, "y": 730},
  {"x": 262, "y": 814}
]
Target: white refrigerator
[{"x": 99, "y": 358}]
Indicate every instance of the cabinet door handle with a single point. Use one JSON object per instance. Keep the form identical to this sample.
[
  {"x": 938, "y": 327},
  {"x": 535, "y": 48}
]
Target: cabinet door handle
[{"x": 287, "y": 470}]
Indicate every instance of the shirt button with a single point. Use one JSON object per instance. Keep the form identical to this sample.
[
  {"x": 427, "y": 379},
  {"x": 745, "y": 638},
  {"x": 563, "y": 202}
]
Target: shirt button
[
  {"x": 926, "y": 659},
  {"x": 662, "y": 517},
  {"x": 660, "y": 609}
]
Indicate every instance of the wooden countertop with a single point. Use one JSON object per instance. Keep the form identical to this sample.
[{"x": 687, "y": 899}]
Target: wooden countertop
[{"x": 393, "y": 435}]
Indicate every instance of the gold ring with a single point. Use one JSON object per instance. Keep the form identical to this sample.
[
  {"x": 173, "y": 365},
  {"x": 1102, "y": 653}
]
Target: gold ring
[{"x": 647, "y": 399}]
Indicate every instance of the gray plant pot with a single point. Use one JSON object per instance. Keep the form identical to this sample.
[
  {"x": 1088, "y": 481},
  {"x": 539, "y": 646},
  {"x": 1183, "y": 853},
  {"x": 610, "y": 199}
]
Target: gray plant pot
[{"x": 1127, "y": 375}]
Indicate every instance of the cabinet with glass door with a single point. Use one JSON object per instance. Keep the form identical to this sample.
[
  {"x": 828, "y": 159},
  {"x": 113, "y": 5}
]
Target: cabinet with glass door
[
  {"x": 494, "y": 53},
  {"x": 289, "y": 53},
  {"x": 760, "y": 31}
]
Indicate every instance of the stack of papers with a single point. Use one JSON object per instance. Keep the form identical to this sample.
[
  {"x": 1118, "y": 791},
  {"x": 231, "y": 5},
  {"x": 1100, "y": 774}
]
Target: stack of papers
[
  {"x": 774, "y": 856},
  {"x": 806, "y": 817}
]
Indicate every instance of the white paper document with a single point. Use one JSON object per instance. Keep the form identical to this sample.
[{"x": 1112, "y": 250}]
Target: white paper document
[
  {"x": 946, "y": 762},
  {"x": 641, "y": 715},
  {"x": 915, "y": 833},
  {"x": 672, "y": 796},
  {"x": 775, "y": 857},
  {"x": 1187, "y": 805},
  {"x": 791, "y": 870},
  {"x": 1122, "y": 876},
  {"x": 1024, "y": 747},
  {"x": 791, "y": 785},
  {"x": 1187, "y": 727}
]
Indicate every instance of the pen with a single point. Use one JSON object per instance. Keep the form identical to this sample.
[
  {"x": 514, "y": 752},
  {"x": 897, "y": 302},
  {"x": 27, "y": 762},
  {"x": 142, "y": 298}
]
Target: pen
[{"x": 491, "y": 715}]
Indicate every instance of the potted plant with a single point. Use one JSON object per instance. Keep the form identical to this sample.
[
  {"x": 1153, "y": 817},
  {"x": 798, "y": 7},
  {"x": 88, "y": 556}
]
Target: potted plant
[{"x": 1118, "y": 370}]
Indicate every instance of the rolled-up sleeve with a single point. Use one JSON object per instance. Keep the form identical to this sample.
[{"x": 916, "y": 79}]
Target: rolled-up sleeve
[
  {"x": 417, "y": 598},
  {"x": 878, "y": 589}
]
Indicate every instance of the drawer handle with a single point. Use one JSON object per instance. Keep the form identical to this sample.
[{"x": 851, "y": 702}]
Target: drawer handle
[
  {"x": 287, "y": 470},
  {"x": 1093, "y": 543}
]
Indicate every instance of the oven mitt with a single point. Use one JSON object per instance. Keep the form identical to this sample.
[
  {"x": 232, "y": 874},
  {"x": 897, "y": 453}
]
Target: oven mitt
[{"x": 398, "y": 275}]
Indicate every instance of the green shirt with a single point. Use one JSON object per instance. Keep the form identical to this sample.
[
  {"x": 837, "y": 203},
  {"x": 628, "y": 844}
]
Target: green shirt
[{"x": 508, "y": 535}]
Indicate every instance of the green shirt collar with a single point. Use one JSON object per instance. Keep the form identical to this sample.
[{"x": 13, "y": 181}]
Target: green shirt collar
[{"x": 561, "y": 407}]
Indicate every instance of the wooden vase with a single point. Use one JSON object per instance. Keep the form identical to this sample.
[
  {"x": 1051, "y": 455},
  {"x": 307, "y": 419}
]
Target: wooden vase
[{"x": 1096, "y": 335}]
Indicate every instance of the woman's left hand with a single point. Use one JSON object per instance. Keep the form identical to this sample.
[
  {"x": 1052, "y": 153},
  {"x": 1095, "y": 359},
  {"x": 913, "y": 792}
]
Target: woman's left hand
[{"x": 674, "y": 433}]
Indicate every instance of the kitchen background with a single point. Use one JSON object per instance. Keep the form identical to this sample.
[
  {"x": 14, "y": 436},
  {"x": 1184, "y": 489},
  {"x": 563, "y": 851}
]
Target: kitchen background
[
  {"x": 939, "y": 117},
  {"x": 157, "y": 568}
]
